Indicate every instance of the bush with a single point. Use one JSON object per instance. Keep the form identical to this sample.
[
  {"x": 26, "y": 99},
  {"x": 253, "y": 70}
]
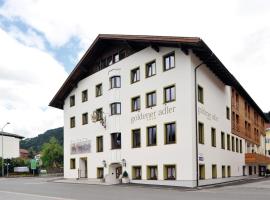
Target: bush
[{"x": 125, "y": 174}]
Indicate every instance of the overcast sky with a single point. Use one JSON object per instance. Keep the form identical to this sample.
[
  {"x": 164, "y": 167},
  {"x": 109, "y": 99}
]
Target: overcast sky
[{"x": 42, "y": 40}]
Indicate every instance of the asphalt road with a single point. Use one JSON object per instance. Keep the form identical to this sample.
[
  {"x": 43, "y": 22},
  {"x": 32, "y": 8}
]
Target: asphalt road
[{"x": 45, "y": 189}]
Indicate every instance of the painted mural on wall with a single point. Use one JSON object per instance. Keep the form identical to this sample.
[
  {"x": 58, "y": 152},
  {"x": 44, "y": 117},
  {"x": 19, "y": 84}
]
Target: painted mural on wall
[{"x": 80, "y": 146}]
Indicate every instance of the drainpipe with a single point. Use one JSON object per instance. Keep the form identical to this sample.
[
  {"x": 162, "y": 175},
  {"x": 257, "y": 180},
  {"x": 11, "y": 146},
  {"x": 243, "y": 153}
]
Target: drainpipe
[
  {"x": 196, "y": 122},
  {"x": 196, "y": 119}
]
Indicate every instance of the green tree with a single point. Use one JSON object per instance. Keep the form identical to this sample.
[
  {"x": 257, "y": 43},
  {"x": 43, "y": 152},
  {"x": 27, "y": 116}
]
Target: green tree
[{"x": 52, "y": 154}]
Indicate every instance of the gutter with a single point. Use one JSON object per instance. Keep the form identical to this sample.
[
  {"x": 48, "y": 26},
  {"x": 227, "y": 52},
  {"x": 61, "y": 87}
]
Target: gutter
[{"x": 196, "y": 118}]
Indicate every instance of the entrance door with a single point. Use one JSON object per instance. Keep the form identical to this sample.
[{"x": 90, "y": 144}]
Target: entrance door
[
  {"x": 83, "y": 168},
  {"x": 118, "y": 172},
  {"x": 250, "y": 170}
]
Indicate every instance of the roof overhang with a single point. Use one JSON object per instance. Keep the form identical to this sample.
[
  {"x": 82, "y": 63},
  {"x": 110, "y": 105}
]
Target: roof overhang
[
  {"x": 11, "y": 135},
  {"x": 195, "y": 44}
]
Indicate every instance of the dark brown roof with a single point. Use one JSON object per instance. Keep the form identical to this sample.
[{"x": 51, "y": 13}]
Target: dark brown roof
[
  {"x": 195, "y": 44},
  {"x": 11, "y": 135}
]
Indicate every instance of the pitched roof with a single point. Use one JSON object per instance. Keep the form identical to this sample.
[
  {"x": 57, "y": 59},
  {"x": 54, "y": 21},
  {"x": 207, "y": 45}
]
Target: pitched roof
[
  {"x": 11, "y": 135},
  {"x": 195, "y": 44}
]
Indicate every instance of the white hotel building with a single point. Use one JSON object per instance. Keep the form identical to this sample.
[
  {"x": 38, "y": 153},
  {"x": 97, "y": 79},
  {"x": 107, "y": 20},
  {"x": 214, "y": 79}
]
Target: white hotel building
[{"x": 163, "y": 109}]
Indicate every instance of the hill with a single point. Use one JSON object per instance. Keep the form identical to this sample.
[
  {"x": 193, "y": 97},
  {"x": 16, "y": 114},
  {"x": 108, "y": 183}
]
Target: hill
[{"x": 36, "y": 142}]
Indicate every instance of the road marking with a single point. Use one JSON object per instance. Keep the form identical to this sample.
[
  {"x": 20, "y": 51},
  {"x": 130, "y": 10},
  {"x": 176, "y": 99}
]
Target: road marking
[{"x": 34, "y": 195}]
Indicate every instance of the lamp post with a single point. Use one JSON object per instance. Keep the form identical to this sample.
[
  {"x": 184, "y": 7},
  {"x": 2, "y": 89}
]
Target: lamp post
[{"x": 2, "y": 132}]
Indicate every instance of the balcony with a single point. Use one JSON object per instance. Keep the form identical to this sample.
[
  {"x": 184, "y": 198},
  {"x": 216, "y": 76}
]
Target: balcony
[{"x": 254, "y": 158}]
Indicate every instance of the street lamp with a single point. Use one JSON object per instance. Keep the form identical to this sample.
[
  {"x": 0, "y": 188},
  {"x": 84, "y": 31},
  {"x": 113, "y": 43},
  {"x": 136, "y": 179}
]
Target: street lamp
[{"x": 2, "y": 132}]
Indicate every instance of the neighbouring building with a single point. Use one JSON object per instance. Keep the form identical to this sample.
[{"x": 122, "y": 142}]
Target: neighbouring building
[
  {"x": 11, "y": 145},
  {"x": 267, "y": 141},
  {"x": 164, "y": 109}
]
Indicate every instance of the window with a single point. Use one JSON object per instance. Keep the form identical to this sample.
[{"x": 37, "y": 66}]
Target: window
[
  {"x": 84, "y": 118},
  {"x": 223, "y": 171},
  {"x": 233, "y": 146},
  {"x": 200, "y": 94},
  {"x": 135, "y": 103},
  {"x": 100, "y": 144},
  {"x": 72, "y": 122},
  {"x": 241, "y": 148},
  {"x": 222, "y": 140},
  {"x": 109, "y": 60},
  {"x": 150, "y": 69},
  {"x": 115, "y": 57},
  {"x": 100, "y": 172},
  {"x": 122, "y": 54},
  {"x": 169, "y": 172},
  {"x": 229, "y": 171},
  {"x": 72, "y": 163},
  {"x": 72, "y": 100},
  {"x": 84, "y": 96},
  {"x": 228, "y": 114},
  {"x": 99, "y": 90},
  {"x": 135, "y": 75},
  {"x": 170, "y": 135},
  {"x": 116, "y": 140},
  {"x": 99, "y": 113},
  {"x": 168, "y": 61},
  {"x": 202, "y": 172},
  {"x": 115, "y": 108},
  {"x": 136, "y": 138},
  {"x": 236, "y": 144},
  {"x": 214, "y": 171},
  {"x": 151, "y": 136},
  {"x": 115, "y": 82},
  {"x": 228, "y": 142},
  {"x": 151, "y": 99},
  {"x": 169, "y": 94},
  {"x": 152, "y": 172},
  {"x": 213, "y": 137},
  {"x": 136, "y": 172},
  {"x": 201, "y": 133}
]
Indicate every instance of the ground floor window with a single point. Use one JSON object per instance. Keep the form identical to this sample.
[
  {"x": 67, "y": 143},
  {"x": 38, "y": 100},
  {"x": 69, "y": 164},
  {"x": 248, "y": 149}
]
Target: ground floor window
[
  {"x": 169, "y": 172},
  {"x": 223, "y": 171},
  {"x": 229, "y": 171},
  {"x": 214, "y": 171},
  {"x": 152, "y": 172},
  {"x": 244, "y": 170},
  {"x": 100, "y": 172},
  {"x": 255, "y": 170},
  {"x": 72, "y": 163},
  {"x": 136, "y": 172},
  {"x": 202, "y": 172}
]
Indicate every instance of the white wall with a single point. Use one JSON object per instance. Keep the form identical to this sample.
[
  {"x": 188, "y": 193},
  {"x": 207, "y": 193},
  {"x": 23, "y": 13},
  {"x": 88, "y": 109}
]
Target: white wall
[
  {"x": 182, "y": 154},
  {"x": 11, "y": 147},
  {"x": 217, "y": 97}
]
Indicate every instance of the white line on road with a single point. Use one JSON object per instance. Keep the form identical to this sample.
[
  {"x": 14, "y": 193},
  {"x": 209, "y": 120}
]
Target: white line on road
[{"x": 34, "y": 195}]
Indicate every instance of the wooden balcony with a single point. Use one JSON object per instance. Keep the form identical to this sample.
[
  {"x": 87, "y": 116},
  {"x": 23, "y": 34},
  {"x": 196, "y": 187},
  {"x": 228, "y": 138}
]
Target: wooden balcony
[{"x": 254, "y": 158}]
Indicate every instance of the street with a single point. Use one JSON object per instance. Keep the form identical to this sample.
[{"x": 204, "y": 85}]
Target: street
[{"x": 45, "y": 189}]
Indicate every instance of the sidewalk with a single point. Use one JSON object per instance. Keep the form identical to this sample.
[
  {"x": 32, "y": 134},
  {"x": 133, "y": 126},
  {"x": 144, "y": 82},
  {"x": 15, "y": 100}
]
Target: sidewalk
[
  {"x": 86, "y": 181},
  {"x": 81, "y": 181}
]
